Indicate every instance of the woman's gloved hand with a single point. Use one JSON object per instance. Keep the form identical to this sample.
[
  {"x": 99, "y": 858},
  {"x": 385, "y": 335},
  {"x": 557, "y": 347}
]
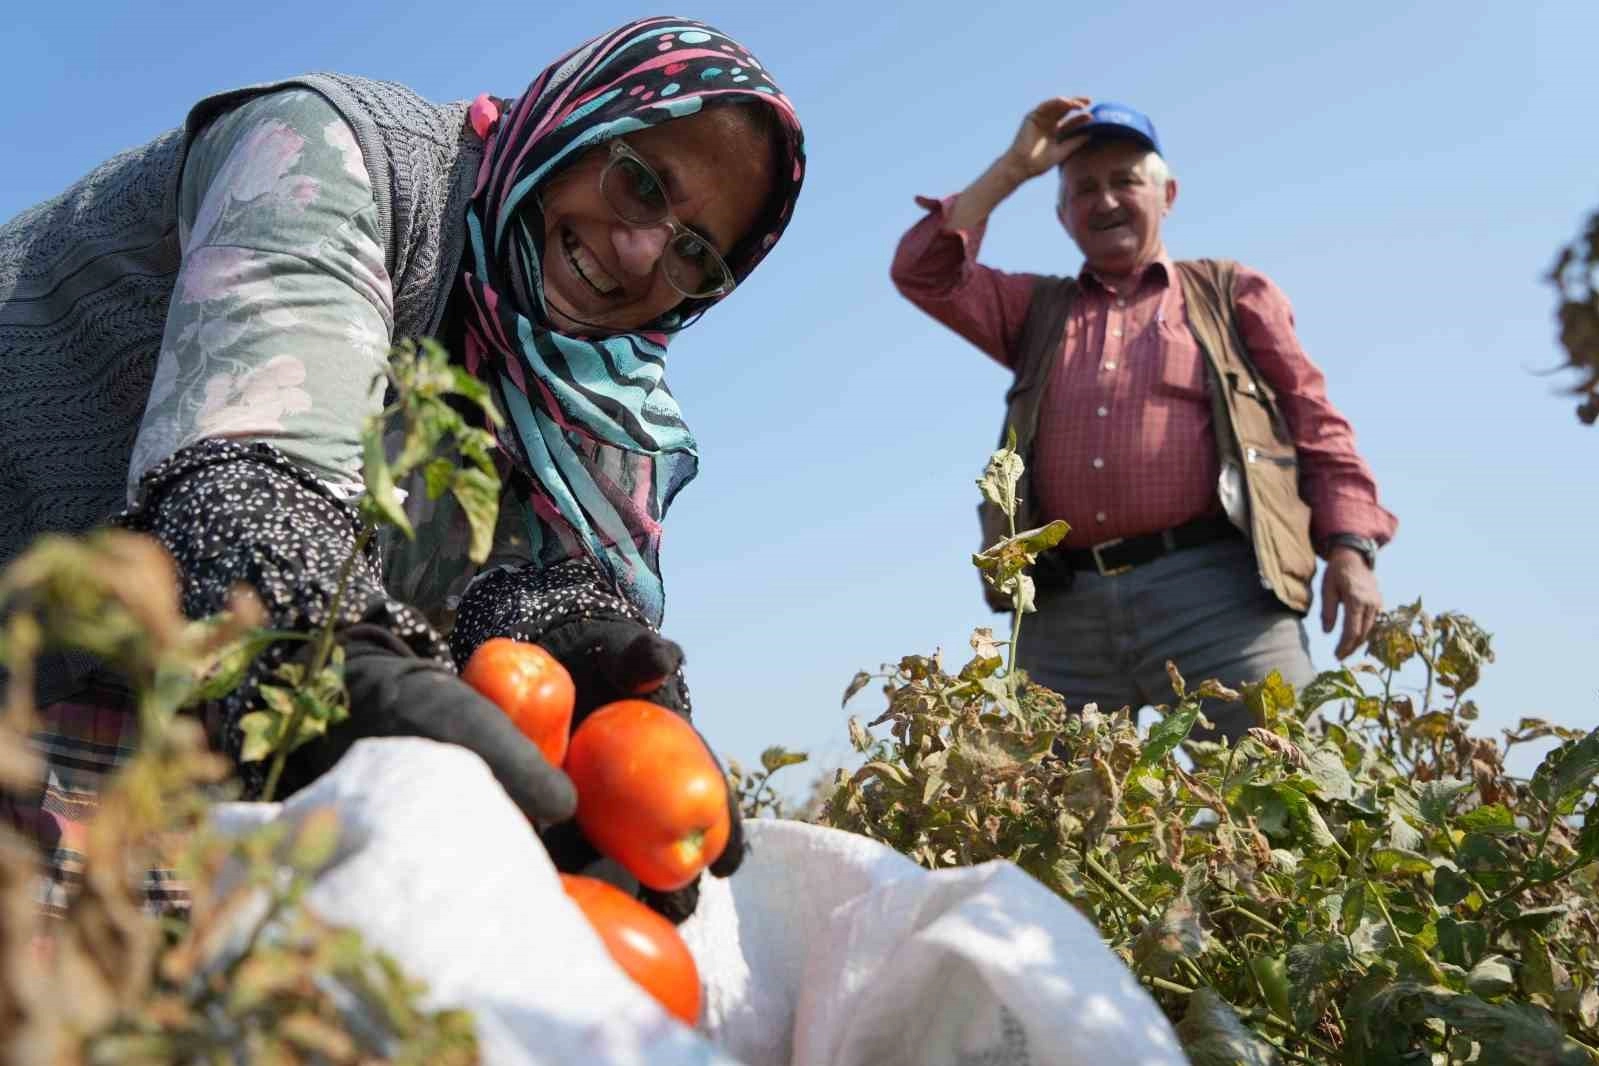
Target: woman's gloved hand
[
  {"x": 394, "y": 692},
  {"x": 613, "y": 659}
]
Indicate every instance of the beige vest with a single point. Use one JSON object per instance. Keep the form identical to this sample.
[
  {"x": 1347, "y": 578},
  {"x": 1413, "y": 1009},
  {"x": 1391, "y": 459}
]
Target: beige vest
[{"x": 1259, "y": 481}]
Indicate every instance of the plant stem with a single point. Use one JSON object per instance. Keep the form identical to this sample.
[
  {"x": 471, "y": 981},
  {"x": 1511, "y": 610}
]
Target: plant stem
[
  {"x": 1376, "y": 897},
  {"x": 1170, "y": 986},
  {"x": 319, "y": 661},
  {"x": 1115, "y": 885},
  {"x": 1527, "y": 881},
  {"x": 1252, "y": 916},
  {"x": 1267, "y": 1017}
]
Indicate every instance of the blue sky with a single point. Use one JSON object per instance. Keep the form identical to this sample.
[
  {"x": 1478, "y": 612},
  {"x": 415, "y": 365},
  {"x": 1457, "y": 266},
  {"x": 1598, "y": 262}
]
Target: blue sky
[{"x": 1404, "y": 171}]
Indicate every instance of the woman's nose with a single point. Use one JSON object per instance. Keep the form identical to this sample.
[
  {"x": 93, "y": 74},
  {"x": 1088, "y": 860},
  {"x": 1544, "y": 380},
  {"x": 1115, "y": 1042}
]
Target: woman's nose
[{"x": 638, "y": 249}]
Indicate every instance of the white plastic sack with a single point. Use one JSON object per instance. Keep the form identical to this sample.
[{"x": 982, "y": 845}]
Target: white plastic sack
[{"x": 826, "y": 949}]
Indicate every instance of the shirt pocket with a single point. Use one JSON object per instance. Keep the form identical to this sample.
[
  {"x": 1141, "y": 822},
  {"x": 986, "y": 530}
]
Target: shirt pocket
[{"x": 1180, "y": 369}]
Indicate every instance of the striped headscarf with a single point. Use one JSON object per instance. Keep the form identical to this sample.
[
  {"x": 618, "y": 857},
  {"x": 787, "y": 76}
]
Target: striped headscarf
[{"x": 591, "y": 418}]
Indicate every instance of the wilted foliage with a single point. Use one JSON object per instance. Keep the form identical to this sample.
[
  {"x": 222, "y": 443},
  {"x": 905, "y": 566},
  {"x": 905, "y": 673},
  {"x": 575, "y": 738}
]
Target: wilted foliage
[
  {"x": 1357, "y": 880},
  {"x": 1577, "y": 313},
  {"x": 246, "y": 973}
]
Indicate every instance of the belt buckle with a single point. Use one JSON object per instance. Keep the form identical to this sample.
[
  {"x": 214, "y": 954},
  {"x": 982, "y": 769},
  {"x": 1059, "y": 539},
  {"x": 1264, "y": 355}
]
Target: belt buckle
[{"x": 1099, "y": 561}]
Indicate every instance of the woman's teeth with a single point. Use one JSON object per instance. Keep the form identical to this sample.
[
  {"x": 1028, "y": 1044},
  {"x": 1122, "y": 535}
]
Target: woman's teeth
[{"x": 587, "y": 267}]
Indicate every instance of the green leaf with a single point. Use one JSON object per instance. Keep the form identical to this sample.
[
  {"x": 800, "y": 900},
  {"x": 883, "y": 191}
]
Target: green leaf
[
  {"x": 884, "y": 771},
  {"x": 1481, "y": 854},
  {"x": 1566, "y": 772},
  {"x": 774, "y": 759},
  {"x": 437, "y": 475},
  {"x": 261, "y": 730},
  {"x": 1268, "y": 699},
  {"x": 1399, "y": 862},
  {"x": 1461, "y": 943},
  {"x": 1495, "y": 819},
  {"x": 479, "y": 496},
  {"x": 464, "y": 384},
  {"x": 1325, "y": 766},
  {"x": 1306, "y": 819},
  {"x": 1329, "y": 686},
  {"x": 1588, "y": 839},
  {"x": 1166, "y": 734},
  {"x": 998, "y": 483},
  {"x": 380, "y": 491},
  {"x": 1537, "y": 967},
  {"x": 1508, "y": 1032},
  {"x": 1313, "y": 969},
  {"x": 1212, "y": 1034},
  {"x": 1272, "y": 973},
  {"x": 229, "y": 666},
  {"x": 1450, "y": 887},
  {"x": 1352, "y": 909}
]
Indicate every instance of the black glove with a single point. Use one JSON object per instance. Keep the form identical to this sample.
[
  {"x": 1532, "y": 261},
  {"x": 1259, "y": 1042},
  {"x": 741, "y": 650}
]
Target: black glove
[
  {"x": 394, "y": 693},
  {"x": 614, "y": 659}
]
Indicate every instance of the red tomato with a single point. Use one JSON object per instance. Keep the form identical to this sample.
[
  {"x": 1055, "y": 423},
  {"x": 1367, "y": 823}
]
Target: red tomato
[
  {"x": 645, "y": 945},
  {"x": 529, "y": 685},
  {"x": 649, "y": 794}
]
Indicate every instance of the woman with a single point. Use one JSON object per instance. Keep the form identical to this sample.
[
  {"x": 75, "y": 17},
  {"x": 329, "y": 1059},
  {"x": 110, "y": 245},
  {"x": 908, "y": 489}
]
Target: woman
[{"x": 198, "y": 323}]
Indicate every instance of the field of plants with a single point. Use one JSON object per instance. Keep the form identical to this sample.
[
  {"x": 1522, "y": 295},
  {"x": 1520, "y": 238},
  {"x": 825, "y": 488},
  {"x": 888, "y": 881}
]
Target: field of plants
[{"x": 1360, "y": 880}]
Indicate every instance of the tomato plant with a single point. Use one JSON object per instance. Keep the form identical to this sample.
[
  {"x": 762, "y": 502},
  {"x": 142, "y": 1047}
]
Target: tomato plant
[
  {"x": 645, "y": 945},
  {"x": 529, "y": 685},
  {"x": 649, "y": 793}
]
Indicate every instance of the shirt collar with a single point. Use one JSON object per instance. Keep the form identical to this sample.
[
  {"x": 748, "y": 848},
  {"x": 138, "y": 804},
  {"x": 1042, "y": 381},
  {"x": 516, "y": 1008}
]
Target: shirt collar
[{"x": 1160, "y": 270}]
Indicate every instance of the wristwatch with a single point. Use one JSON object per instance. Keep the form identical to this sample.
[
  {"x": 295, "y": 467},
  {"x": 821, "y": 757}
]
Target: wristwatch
[{"x": 1364, "y": 545}]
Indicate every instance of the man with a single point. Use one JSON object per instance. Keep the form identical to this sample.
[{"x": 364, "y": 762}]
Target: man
[{"x": 1167, "y": 412}]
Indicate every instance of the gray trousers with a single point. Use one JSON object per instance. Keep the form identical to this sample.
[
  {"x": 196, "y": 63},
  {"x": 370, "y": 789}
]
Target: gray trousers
[{"x": 1106, "y": 640}]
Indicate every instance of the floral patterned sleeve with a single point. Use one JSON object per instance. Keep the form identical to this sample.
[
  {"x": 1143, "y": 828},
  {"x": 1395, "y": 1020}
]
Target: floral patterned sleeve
[{"x": 283, "y": 310}]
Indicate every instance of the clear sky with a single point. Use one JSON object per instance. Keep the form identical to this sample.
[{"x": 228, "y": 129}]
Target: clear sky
[{"x": 1404, "y": 171}]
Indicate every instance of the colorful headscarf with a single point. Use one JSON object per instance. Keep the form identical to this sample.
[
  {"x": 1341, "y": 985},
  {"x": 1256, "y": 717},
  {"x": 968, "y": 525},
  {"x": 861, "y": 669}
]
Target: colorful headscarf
[{"x": 591, "y": 419}]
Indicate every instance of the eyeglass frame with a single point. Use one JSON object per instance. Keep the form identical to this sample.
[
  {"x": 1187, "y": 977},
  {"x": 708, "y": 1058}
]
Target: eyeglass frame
[{"x": 619, "y": 151}]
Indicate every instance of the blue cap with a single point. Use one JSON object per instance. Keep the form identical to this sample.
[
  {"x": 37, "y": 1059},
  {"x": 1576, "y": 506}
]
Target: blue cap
[{"x": 1119, "y": 121}]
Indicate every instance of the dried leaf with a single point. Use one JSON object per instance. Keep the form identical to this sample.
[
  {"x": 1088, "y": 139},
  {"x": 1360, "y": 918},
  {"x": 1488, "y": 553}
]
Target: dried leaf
[
  {"x": 1212, "y": 1034},
  {"x": 858, "y": 682}
]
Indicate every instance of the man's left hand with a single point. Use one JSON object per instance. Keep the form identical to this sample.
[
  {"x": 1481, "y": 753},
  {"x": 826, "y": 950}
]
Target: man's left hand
[{"x": 1349, "y": 582}]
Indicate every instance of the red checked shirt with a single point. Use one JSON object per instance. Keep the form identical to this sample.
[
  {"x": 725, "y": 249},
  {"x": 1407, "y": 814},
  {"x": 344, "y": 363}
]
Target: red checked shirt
[{"x": 1124, "y": 444}]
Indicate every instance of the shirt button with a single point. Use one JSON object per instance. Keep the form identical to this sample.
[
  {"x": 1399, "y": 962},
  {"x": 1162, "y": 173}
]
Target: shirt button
[
  {"x": 1100, "y": 517},
  {"x": 1115, "y": 333},
  {"x": 1099, "y": 464},
  {"x": 1110, "y": 365},
  {"x": 1121, "y": 302},
  {"x": 1102, "y": 412}
]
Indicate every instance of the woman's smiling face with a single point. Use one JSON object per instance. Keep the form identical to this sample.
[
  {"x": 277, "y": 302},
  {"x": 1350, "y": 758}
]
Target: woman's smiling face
[{"x": 601, "y": 274}]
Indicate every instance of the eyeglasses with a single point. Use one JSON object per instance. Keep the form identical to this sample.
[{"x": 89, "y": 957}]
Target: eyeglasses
[{"x": 635, "y": 192}]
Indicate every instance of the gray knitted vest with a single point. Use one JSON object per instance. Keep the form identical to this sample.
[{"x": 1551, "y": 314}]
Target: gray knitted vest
[{"x": 85, "y": 280}]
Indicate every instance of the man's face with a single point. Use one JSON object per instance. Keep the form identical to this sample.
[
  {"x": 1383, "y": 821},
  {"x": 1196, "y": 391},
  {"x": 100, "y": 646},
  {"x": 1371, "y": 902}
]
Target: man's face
[{"x": 1111, "y": 206}]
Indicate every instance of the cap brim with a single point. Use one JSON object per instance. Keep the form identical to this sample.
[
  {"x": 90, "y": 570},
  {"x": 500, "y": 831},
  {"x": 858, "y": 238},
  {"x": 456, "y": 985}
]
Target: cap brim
[{"x": 1112, "y": 131}]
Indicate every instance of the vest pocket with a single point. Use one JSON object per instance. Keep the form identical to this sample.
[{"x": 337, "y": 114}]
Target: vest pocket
[{"x": 1246, "y": 390}]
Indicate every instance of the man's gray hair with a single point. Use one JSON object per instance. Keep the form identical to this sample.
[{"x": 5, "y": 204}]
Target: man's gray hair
[
  {"x": 1153, "y": 166},
  {"x": 1156, "y": 169}
]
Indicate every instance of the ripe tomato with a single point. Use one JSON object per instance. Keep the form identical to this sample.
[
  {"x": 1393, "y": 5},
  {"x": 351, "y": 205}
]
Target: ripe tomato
[
  {"x": 529, "y": 685},
  {"x": 649, "y": 794},
  {"x": 645, "y": 945}
]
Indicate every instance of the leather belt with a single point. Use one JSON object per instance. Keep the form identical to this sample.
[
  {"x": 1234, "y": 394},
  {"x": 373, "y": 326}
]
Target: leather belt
[{"x": 1113, "y": 557}]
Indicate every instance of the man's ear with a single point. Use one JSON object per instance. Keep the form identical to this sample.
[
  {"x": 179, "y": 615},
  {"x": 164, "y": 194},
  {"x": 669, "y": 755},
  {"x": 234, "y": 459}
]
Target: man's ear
[{"x": 1171, "y": 192}]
